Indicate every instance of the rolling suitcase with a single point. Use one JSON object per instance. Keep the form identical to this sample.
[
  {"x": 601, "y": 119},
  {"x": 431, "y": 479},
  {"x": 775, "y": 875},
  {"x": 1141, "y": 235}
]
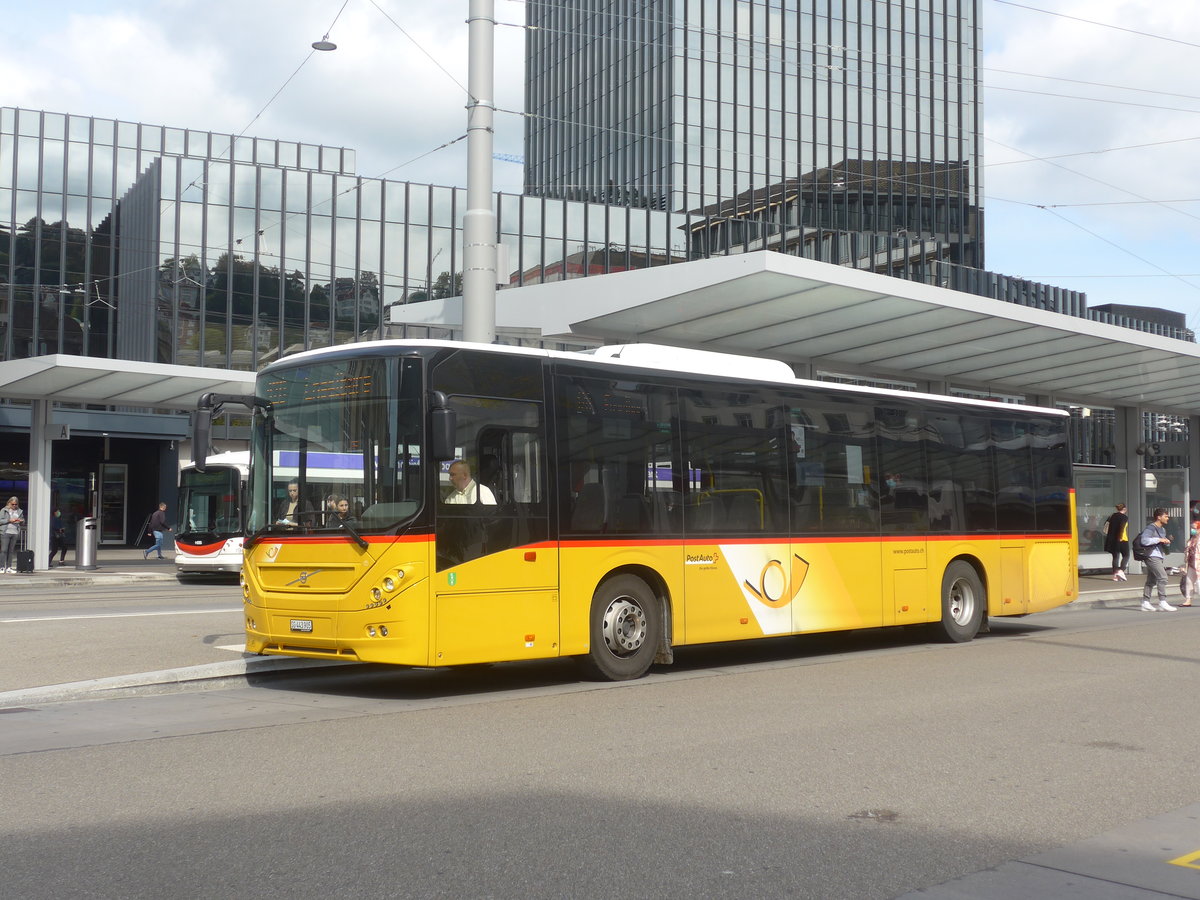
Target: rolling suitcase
[{"x": 25, "y": 561}]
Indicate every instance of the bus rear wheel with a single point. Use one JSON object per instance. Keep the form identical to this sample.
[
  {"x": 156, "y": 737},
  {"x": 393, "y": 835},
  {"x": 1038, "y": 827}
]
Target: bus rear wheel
[
  {"x": 625, "y": 627},
  {"x": 963, "y": 602}
]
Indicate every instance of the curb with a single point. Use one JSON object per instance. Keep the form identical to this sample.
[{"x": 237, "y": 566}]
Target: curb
[
  {"x": 38, "y": 581},
  {"x": 164, "y": 681}
]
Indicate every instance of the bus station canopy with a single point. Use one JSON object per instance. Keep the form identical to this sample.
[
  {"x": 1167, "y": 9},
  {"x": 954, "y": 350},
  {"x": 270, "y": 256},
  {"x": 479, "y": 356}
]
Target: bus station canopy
[
  {"x": 116, "y": 382},
  {"x": 832, "y": 317}
]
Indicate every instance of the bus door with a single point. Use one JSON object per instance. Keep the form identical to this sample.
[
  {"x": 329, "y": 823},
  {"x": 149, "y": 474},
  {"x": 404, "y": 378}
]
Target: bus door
[
  {"x": 496, "y": 591},
  {"x": 834, "y": 504},
  {"x": 904, "y": 498}
]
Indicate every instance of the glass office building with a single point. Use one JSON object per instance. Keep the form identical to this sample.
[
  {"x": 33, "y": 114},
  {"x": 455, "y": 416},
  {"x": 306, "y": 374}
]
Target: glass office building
[
  {"x": 836, "y": 130},
  {"x": 167, "y": 244}
]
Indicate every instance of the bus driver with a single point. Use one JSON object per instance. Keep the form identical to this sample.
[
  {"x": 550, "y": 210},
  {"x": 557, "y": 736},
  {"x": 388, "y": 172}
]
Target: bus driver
[{"x": 464, "y": 489}]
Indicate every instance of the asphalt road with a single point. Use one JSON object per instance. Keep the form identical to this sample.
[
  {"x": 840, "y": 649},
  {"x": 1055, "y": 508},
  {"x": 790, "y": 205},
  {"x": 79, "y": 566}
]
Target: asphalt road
[
  {"x": 79, "y": 633},
  {"x": 856, "y": 766}
]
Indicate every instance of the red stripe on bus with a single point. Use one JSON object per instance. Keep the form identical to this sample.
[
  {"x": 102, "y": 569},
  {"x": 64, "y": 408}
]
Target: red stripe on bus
[
  {"x": 199, "y": 550},
  {"x": 341, "y": 539},
  {"x": 841, "y": 539}
]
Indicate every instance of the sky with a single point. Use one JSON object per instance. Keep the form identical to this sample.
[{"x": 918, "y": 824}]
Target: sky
[{"x": 1091, "y": 109}]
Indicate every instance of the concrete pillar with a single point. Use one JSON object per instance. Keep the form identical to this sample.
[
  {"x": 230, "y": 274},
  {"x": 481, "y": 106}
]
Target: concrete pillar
[
  {"x": 41, "y": 444},
  {"x": 1129, "y": 435}
]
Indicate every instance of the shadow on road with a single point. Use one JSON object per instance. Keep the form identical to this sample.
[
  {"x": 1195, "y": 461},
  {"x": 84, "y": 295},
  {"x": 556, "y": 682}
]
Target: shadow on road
[{"x": 383, "y": 682}]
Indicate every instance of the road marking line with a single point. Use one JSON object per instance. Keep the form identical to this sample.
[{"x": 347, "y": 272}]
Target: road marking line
[
  {"x": 236, "y": 648},
  {"x": 174, "y": 612},
  {"x": 1189, "y": 861}
]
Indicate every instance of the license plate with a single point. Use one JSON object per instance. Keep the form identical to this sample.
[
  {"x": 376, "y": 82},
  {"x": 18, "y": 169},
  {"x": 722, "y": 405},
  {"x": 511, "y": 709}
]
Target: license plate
[{"x": 304, "y": 625}]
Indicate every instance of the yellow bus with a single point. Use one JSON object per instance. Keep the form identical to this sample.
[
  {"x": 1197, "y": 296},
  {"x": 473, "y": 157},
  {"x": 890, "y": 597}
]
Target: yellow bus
[{"x": 505, "y": 503}]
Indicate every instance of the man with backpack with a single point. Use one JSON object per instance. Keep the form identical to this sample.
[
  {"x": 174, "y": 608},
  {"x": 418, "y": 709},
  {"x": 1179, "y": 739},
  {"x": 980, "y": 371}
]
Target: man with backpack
[{"x": 1153, "y": 542}]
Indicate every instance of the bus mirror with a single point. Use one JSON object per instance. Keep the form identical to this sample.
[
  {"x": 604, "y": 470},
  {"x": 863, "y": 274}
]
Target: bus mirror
[
  {"x": 209, "y": 405},
  {"x": 443, "y": 425},
  {"x": 201, "y": 430}
]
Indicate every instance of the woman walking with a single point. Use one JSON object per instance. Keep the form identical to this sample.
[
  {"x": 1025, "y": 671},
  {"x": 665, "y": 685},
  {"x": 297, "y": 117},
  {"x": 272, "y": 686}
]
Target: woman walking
[
  {"x": 1116, "y": 542},
  {"x": 12, "y": 517}
]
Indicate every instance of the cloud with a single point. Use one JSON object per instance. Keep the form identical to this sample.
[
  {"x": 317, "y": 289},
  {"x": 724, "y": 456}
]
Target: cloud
[{"x": 1109, "y": 65}]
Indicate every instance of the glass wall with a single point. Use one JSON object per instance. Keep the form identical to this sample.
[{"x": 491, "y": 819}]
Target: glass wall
[
  {"x": 233, "y": 253},
  {"x": 766, "y": 119},
  {"x": 162, "y": 244}
]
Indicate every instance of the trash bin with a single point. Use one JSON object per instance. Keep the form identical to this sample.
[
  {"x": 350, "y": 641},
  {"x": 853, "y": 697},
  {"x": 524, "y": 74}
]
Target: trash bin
[{"x": 85, "y": 543}]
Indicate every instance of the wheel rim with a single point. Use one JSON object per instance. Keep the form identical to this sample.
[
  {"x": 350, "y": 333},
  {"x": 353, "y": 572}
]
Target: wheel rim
[
  {"x": 624, "y": 626},
  {"x": 962, "y": 601}
]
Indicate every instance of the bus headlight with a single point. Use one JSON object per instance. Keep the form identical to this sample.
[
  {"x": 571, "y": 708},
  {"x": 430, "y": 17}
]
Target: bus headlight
[
  {"x": 376, "y": 593},
  {"x": 389, "y": 584}
]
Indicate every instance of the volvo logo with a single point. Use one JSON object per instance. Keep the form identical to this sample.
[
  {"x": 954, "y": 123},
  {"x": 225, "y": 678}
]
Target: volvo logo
[{"x": 302, "y": 579}]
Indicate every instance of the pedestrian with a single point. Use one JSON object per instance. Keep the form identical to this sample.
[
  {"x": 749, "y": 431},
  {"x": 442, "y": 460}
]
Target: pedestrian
[
  {"x": 1191, "y": 565},
  {"x": 159, "y": 528},
  {"x": 12, "y": 517},
  {"x": 58, "y": 538},
  {"x": 1154, "y": 536},
  {"x": 1116, "y": 542}
]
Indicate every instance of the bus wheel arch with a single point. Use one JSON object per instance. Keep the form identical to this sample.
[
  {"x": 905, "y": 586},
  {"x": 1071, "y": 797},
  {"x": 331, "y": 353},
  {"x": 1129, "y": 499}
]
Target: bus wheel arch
[
  {"x": 964, "y": 601},
  {"x": 628, "y": 625}
]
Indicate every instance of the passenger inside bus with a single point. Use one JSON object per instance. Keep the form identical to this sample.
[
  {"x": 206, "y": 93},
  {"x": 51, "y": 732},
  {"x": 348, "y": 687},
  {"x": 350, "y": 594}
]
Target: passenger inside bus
[
  {"x": 291, "y": 506},
  {"x": 342, "y": 513}
]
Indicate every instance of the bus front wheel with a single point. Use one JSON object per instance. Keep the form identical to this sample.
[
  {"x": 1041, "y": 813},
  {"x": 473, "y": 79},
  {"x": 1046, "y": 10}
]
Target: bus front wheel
[
  {"x": 625, "y": 627},
  {"x": 963, "y": 602}
]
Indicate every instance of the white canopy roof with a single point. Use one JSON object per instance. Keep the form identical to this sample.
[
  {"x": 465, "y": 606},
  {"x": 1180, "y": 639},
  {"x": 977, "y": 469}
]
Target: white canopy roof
[
  {"x": 116, "y": 382},
  {"x": 797, "y": 310}
]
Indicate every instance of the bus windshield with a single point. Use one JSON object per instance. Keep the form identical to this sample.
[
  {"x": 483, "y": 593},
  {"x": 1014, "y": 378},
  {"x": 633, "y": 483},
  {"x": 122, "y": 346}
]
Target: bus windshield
[
  {"x": 340, "y": 448},
  {"x": 209, "y": 502}
]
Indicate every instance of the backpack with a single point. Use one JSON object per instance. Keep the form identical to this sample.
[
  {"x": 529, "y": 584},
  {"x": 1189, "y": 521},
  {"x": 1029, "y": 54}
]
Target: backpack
[{"x": 1140, "y": 551}]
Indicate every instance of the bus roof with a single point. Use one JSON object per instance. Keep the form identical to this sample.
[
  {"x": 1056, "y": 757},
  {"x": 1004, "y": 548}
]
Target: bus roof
[{"x": 657, "y": 358}]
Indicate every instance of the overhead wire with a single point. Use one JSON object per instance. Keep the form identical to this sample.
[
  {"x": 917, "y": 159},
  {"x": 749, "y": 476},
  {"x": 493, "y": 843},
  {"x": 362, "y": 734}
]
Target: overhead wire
[
  {"x": 267, "y": 105},
  {"x": 1146, "y": 34}
]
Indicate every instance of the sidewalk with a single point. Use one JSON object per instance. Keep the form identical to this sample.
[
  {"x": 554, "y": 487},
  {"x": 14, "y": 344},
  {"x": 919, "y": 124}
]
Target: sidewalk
[
  {"x": 1101, "y": 592},
  {"x": 118, "y": 565}
]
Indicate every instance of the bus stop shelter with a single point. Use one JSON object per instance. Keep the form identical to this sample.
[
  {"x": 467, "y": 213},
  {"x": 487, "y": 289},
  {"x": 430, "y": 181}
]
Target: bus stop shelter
[{"x": 45, "y": 380}]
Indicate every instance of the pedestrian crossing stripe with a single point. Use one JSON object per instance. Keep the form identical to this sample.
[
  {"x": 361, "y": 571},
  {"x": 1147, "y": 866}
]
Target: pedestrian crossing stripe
[{"x": 1190, "y": 861}]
